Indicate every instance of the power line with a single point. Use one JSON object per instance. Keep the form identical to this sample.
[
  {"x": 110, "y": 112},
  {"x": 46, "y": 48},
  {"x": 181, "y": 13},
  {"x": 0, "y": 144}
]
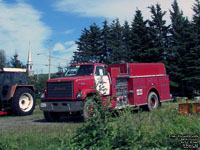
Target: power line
[{"x": 53, "y": 57}]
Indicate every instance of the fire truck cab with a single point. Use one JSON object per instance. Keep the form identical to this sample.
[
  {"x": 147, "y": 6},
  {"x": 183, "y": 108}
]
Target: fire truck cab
[{"x": 130, "y": 85}]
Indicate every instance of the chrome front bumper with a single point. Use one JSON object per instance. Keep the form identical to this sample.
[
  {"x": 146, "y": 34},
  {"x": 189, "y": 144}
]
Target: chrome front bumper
[{"x": 61, "y": 106}]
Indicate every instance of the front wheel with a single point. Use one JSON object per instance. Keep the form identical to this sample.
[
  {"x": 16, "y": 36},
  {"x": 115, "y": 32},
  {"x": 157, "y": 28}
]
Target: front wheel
[
  {"x": 153, "y": 101},
  {"x": 89, "y": 109},
  {"x": 23, "y": 102}
]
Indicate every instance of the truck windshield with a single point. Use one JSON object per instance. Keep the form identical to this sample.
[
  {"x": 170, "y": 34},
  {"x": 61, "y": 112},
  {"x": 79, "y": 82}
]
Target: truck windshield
[{"x": 80, "y": 70}]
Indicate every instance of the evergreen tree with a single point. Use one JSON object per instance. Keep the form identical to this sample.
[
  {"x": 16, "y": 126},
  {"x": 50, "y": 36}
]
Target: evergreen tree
[
  {"x": 106, "y": 43},
  {"x": 2, "y": 59},
  {"x": 83, "y": 44},
  {"x": 89, "y": 45},
  {"x": 192, "y": 76},
  {"x": 196, "y": 23},
  {"x": 158, "y": 31},
  {"x": 15, "y": 62},
  {"x": 180, "y": 45},
  {"x": 116, "y": 43},
  {"x": 140, "y": 41},
  {"x": 190, "y": 64},
  {"x": 94, "y": 47},
  {"x": 126, "y": 39}
]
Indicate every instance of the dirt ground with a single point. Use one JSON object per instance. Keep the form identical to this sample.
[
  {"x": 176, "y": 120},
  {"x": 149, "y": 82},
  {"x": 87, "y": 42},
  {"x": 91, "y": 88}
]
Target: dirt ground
[{"x": 35, "y": 120}]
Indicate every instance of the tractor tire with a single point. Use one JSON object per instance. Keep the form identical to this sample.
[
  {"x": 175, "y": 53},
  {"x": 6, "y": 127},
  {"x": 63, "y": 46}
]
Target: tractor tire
[
  {"x": 52, "y": 116},
  {"x": 23, "y": 102},
  {"x": 153, "y": 101}
]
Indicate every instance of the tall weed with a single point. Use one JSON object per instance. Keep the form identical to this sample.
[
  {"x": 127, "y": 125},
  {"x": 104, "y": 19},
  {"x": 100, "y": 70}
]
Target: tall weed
[{"x": 141, "y": 130}]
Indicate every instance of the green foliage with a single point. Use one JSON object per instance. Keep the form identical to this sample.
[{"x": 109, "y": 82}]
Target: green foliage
[
  {"x": 136, "y": 130},
  {"x": 116, "y": 44},
  {"x": 158, "y": 31},
  {"x": 183, "y": 53},
  {"x": 106, "y": 43},
  {"x": 39, "y": 82},
  {"x": 89, "y": 44},
  {"x": 127, "y": 54},
  {"x": 34, "y": 140},
  {"x": 15, "y": 62},
  {"x": 2, "y": 59},
  {"x": 139, "y": 38},
  {"x": 97, "y": 127}
]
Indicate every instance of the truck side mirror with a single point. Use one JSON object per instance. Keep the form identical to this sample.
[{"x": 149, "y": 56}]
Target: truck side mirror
[{"x": 106, "y": 69}]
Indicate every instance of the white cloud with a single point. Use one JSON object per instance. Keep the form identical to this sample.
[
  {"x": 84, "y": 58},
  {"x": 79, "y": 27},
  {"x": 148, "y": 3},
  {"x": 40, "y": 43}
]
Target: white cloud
[
  {"x": 67, "y": 47},
  {"x": 72, "y": 48},
  {"x": 70, "y": 31},
  {"x": 59, "y": 47},
  {"x": 19, "y": 24},
  {"x": 69, "y": 43},
  {"x": 122, "y": 9},
  {"x": 65, "y": 52}
]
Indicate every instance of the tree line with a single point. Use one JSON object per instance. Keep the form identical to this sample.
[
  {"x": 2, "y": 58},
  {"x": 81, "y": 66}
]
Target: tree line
[
  {"x": 14, "y": 61},
  {"x": 177, "y": 45}
]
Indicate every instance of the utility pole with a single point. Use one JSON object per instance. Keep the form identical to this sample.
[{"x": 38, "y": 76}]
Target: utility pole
[{"x": 50, "y": 60}]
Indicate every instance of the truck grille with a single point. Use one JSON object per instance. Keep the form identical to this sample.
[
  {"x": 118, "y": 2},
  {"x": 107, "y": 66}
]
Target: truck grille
[{"x": 60, "y": 89}]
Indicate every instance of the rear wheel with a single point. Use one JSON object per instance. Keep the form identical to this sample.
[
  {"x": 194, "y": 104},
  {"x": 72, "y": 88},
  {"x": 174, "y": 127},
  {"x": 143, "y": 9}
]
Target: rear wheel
[
  {"x": 52, "y": 116},
  {"x": 153, "y": 101},
  {"x": 23, "y": 102}
]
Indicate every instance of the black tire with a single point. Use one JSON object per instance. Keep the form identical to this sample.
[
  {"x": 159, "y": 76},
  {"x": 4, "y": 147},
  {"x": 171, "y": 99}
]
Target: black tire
[
  {"x": 52, "y": 116},
  {"x": 153, "y": 101},
  {"x": 23, "y": 102},
  {"x": 89, "y": 109}
]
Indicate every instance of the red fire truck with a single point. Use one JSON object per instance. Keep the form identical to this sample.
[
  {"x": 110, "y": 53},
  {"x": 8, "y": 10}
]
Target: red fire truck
[{"x": 130, "y": 85}]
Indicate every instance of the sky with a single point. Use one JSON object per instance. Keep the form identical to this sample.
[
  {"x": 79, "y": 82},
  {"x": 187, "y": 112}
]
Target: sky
[{"x": 59, "y": 23}]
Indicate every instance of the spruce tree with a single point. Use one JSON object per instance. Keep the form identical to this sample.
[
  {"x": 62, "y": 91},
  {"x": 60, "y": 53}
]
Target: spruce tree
[
  {"x": 15, "y": 62},
  {"x": 180, "y": 47},
  {"x": 158, "y": 31},
  {"x": 94, "y": 47},
  {"x": 2, "y": 59},
  {"x": 106, "y": 43},
  {"x": 126, "y": 39},
  {"x": 89, "y": 45},
  {"x": 116, "y": 43},
  {"x": 196, "y": 23},
  {"x": 140, "y": 41},
  {"x": 192, "y": 76},
  {"x": 190, "y": 64},
  {"x": 83, "y": 43}
]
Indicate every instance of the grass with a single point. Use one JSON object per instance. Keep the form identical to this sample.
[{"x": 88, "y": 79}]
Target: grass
[
  {"x": 33, "y": 132},
  {"x": 160, "y": 129},
  {"x": 137, "y": 130}
]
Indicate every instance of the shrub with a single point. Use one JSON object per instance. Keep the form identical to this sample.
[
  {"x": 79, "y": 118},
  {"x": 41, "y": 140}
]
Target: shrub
[
  {"x": 142, "y": 130},
  {"x": 97, "y": 131}
]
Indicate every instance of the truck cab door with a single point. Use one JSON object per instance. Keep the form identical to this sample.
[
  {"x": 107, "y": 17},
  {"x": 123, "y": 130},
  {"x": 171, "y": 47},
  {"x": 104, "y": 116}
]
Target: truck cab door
[{"x": 101, "y": 80}]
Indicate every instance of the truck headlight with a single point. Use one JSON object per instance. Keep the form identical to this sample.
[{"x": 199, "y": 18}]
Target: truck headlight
[{"x": 79, "y": 94}]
